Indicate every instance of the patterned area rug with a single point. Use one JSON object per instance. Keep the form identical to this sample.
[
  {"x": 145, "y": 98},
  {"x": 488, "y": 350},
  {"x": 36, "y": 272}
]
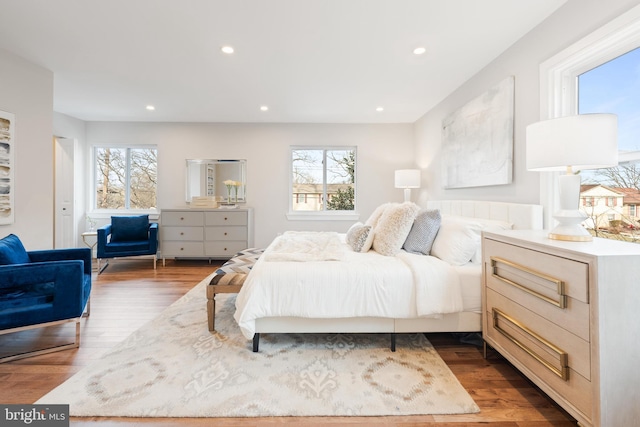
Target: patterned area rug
[{"x": 174, "y": 367}]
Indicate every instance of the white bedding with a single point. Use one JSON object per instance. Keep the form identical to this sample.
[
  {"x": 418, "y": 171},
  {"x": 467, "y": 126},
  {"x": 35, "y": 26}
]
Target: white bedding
[{"x": 359, "y": 285}]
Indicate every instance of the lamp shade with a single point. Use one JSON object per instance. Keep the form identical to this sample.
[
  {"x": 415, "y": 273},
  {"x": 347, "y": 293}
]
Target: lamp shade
[
  {"x": 408, "y": 178},
  {"x": 584, "y": 141}
]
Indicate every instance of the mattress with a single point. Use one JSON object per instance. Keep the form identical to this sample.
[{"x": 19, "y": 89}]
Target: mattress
[{"x": 357, "y": 285}]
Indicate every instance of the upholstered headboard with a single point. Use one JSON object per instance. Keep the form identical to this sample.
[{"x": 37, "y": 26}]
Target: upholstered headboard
[{"x": 522, "y": 216}]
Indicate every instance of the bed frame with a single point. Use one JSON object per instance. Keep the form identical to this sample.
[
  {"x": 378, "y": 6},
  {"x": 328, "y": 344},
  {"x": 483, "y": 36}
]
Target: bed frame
[{"x": 522, "y": 216}]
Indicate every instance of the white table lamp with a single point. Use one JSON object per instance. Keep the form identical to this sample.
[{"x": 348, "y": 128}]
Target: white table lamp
[
  {"x": 407, "y": 179},
  {"x": 585, "y": 141}
]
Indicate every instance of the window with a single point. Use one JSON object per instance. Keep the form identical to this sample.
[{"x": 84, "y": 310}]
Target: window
[
  {"x": 632, "y": 211},
  {"x": 612, "y": 88},
  {"x": 323, "y": 179},
  {"x": 125, "y": 177},
  {"x": 588, "y": 201},
  {"x": 598, "y": 74}
]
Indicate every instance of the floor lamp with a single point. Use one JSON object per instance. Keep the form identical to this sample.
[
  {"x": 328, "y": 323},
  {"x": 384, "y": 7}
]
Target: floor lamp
[
  {"x": 407, "y": 179},
  {"x": 584, "y": 141}
]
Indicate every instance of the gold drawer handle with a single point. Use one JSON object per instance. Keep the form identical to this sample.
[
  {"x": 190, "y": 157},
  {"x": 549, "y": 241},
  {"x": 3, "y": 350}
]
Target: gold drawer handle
[
  {"x": 563, "y": 357},
  {"x": 562, "y": 298}
]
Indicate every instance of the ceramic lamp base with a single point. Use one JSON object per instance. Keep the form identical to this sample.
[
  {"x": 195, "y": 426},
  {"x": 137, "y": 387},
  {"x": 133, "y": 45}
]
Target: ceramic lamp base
[{"x": 569, "y": 216}]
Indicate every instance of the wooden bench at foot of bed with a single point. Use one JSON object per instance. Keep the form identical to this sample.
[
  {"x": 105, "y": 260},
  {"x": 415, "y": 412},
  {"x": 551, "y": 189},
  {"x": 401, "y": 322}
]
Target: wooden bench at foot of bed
[{"x": 229, "y": 279}]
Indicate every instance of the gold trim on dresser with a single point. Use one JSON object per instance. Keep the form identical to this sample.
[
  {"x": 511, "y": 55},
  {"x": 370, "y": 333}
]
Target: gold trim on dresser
[
  {"x": 563, "y": 358},
  {"x": 562, "y": 297}
]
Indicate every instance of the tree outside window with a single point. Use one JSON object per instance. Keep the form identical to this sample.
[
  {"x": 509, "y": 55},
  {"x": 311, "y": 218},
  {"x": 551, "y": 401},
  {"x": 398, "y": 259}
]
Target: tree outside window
[
  {"x": 323, "y": 179},
  {"x": 125, "y": 177}
]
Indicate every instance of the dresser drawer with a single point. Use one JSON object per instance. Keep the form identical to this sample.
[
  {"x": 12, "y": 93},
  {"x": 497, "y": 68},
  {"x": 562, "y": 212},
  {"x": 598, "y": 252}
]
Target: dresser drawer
[
  {"x": 182, "y": 218},
  {"x": 224, "y": 249},
  {"x": 182, "y": 233},
  {"x": 225, "y": 218},
  {"x": 540, "y": 292},
  {"x": 226, "y": 233},
  {"x": 559, "y": 358},
  {"x": 182, "y": 249},
  {"x": 539, "y": 271}
]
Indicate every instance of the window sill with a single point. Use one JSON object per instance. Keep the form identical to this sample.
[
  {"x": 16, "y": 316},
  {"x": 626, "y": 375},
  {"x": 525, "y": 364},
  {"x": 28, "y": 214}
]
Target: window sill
[
  {"x": 154, "y": 214},
  {"x": 323, "y": 216}
]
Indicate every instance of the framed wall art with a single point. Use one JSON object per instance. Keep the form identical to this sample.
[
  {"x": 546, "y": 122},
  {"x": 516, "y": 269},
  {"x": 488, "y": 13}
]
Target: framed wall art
[
  {"x": 477, "y": 140},
  {"x": 7, "y": 166}
]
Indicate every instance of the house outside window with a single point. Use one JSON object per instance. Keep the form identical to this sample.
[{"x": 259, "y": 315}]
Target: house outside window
[
  {"x": 323, "y": 179},
  {"x": 125, "y": 177}
]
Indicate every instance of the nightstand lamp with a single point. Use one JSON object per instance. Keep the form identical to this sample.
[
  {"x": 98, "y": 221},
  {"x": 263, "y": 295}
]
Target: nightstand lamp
[
  {"x": 407, "y": 179},
  {"x": 584, "y": 141}
]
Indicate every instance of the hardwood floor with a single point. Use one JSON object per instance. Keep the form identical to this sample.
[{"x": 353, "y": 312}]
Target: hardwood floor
[{"x": 129, "y": 293}]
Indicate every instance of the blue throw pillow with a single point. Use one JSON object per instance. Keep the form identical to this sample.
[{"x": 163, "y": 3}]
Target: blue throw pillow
[
  {"x": 129, "y": 228},
  {"x": 12, "y": 251}
]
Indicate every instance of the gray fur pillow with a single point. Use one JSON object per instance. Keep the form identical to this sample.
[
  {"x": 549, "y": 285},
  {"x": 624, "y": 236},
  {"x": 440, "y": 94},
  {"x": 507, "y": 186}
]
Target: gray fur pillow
[{"x": 360, "y": 237}]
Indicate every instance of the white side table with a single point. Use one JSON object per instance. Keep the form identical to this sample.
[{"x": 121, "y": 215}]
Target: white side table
[{"x": 90, "y": 238}]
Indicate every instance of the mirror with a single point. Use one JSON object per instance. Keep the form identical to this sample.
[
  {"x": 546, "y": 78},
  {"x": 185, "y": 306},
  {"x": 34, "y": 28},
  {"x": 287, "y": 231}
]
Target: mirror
[{"x": 206, "y": 177}]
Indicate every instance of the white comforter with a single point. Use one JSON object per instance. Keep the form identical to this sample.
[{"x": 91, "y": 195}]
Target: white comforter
[{"x": 357, "y": 285}]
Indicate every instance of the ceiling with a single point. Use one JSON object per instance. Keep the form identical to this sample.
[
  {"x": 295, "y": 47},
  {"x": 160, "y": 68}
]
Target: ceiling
[{"x": 309, "y": 61}]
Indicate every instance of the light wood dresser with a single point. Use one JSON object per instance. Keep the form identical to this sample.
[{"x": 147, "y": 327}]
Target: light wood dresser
[
  {"x": 567, "y": 315},
  {"x": 205, "y": 233}
]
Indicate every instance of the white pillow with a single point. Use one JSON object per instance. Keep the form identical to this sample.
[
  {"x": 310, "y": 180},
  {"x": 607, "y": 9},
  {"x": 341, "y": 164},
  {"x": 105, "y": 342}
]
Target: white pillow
[
  {"x": 377, "y": 213},
  {"x": 487, "y": 225},
  {"x": 457, "y": 240},
  {"x": 360, "y": 237},
  {"x": 393, "y": 228}
]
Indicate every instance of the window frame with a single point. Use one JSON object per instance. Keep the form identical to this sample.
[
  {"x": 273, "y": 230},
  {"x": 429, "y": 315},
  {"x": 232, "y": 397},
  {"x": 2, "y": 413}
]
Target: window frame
[
  {"x": 324, "y": 214},
  {"x": 100, "y": 212},
  {"x": 559, "y": 83}
]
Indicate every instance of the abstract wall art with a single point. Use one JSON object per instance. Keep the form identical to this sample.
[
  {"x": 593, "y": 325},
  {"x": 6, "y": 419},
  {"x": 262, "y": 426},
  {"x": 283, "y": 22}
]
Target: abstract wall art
[
  {"x": 477, "y": 140},
  {"x": 7, "y": 166}
]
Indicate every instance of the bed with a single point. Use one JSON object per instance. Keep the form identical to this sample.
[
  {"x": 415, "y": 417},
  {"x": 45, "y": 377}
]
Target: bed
[{"x": 318, "y": 283}]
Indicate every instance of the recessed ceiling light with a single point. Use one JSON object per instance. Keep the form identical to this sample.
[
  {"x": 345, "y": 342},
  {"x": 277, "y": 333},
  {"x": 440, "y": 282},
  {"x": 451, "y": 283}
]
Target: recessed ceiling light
[
  {"x": 227, "y": 49},
  {"x": 150, "y": 107},
  {"x": 379, "y": 109},
  {"x": 264, "y": 108},
  {"x": 419, "y": 50}
]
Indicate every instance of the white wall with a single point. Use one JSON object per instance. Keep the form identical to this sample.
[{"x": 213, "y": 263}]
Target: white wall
[
  {"x": 575, "y": 20},
  {"x": 380, "y": 150},
  {"x": 27, "y": 91}
]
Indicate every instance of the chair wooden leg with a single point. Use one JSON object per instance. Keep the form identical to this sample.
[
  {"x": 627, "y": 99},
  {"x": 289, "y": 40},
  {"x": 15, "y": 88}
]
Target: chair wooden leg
[{"x": 211, "y": 313}]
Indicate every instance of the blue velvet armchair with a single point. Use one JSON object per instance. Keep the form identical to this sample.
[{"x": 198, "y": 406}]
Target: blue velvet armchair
[
  {"x": 42, "y": 288},
  {"x": 128, "y": 236}
]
